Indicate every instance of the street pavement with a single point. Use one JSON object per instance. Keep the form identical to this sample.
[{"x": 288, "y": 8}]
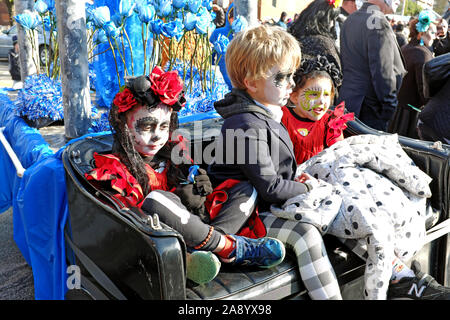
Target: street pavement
[{"x": 16, "y": 277}]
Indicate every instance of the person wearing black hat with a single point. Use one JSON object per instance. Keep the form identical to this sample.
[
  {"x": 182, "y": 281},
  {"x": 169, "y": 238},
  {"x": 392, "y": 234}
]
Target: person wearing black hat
[{"x": 14, "y": 64}]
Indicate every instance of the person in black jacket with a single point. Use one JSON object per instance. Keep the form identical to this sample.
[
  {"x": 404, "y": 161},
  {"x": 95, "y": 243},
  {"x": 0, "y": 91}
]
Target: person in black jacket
[
  {"x": 316, "y": 32},
  {"x": 373, "y": 65},
  {"x": 254, "y": 146},
  {"x": 14, "y": 64},
  {"x": 441, "y": 45}
]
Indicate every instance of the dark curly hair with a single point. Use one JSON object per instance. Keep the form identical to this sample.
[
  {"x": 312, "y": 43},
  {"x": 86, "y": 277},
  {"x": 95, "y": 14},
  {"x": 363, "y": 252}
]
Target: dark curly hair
[
  {"x": 317, "y": 67},
  {"x": 316, "y": 19}
]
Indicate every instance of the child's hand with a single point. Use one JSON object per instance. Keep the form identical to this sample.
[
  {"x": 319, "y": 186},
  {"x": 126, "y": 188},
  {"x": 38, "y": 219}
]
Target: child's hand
[
  {"x": 303, "y": 177},
  {"x": 309, "y": 181}
]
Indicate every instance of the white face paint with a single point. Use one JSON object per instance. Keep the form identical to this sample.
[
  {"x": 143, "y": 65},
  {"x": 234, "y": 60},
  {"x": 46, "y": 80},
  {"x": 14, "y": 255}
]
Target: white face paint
[
  {"x": 313, "y": 99},
  {"x": 275, "y": 90},
  {"x": 149, "y": 128}
]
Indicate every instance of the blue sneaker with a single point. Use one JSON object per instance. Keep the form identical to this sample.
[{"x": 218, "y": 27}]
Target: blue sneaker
[{"x": 263, "y": 252}]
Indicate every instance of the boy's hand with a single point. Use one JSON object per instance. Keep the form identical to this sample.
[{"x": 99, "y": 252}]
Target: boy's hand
[
  {"x": 309, "y": 181},
  {"x": 303, "y": 177}
]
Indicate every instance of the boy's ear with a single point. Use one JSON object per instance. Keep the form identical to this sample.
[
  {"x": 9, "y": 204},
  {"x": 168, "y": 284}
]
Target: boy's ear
[{"x": 250, "y": 84}]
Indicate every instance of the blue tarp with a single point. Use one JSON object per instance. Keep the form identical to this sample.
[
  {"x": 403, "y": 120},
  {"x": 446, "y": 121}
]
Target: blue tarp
[{"x": 39, "y": 202}]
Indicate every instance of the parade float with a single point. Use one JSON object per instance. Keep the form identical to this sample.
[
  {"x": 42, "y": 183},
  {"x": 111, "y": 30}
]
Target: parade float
[{"x": 126, "y": 39}]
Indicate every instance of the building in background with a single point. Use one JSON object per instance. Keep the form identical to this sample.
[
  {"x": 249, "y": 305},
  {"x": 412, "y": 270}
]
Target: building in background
[
  {"x": 4, "y": 15},
  {"x": 426, "y": 4},
  {"x": 272, "y": 9}
]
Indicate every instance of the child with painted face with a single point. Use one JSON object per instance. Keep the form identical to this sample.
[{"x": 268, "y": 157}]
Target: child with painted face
[
  {"x": 142, "y": 176},
  {"x": 254, "y": 146},
  {"x": 311, "y": 124}
]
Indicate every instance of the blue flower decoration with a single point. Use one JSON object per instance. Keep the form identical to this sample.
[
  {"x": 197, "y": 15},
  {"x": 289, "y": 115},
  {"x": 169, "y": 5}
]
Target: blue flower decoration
[
  {"x": 41, "y": 97},
  {"x": 179, "y": 3},
  {"x": 29, "y": 21},
  {"x": 100, "y": 37},
  {"x": 173, "y": 29},
  {"x": 155, "y": 26},
  {"x": 190, "y": 20},
  {"x": 203, "y": 24},
  {"x": 100, "y": 16},
  {"x": 47, "y": 23},
  {"x": 239, "y": 24},
  {"x": 126, "y": 8},
  {"x": 146, "y": 13},
  {"x": 165, "y": 8},
  {"x": 221, "y": 44},
  {"x": 194, "y": 5},
  {"x": 111, "y": 30},
  {"x": 50, "y": 4},
  {"x": 207, "y": 4},
  {"x": 41, "y": 7}
]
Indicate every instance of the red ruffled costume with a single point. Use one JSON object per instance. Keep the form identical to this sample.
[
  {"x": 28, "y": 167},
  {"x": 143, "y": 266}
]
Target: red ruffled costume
[
  {"x": 311, "y": 137},
  {"x": 110, "y": 169}
]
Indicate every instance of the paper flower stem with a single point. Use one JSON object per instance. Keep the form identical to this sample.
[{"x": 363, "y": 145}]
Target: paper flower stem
[
  {"x": 115, "y": 61},
  {"x": 122, "y": 57},
  {"x": 131, "y": 50}
]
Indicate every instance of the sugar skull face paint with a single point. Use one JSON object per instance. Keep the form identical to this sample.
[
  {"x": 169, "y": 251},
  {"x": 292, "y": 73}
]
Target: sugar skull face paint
[
  {"x": 313, "y": 99},
  {"x": 275, "y": 90},
  {"x": 149, "y": 128}
]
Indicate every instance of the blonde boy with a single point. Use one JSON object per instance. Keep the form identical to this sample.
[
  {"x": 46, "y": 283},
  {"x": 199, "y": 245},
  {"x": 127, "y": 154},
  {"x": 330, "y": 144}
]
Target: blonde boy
[{"x": 254, "y": 146}]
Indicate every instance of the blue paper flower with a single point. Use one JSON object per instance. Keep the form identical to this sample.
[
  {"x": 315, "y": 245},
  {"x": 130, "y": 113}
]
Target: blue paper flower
[
  {"x": 221, "y": 44},
  {"x": 117, "y": 19},
  {"x": 47, "y": 23},
  {"x": 111, "y": 30},
  {"x": 50, "y": 4},
  {"x": 207, "y": 4},
  {"x": 165, "y": 8},
  {"x": 194, "y": 5},
  {"x": 239, "y": 24},
  {"x": 29, "y": 21},
  {"x": 126, "y": 8},
  {"x": 89, "y": 12},
  {"x": 41, "y": 7},
  {"x": 100, "y": 37},
  {"x": 203, "y": 23},
  {"x": 173, "y": 29},
  {"x": 100, "y": 16},
  {"x": 146, "y": 13},
  {"x": 155, "y": 26},
  {"x": 179, "y": 3},
  {"x": 190, "y": 20}
]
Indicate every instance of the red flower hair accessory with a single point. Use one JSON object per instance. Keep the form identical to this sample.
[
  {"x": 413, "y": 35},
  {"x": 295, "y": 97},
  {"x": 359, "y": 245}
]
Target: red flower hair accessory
[
  {"x": 167, "y": 85},
  {"x": 124, "y": 100}
]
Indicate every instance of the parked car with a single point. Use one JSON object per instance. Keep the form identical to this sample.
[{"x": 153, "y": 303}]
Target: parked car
[
  {"x": 6, "y": 43},
  {"x": 152, "y": 264}
]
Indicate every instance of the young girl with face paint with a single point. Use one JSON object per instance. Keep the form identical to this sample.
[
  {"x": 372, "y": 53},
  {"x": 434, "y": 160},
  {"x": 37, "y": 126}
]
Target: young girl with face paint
[
  {"x": 311, "y": 124},
  {"x": 142, "y": 176},
  {"x": 313, "y": 127}
]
